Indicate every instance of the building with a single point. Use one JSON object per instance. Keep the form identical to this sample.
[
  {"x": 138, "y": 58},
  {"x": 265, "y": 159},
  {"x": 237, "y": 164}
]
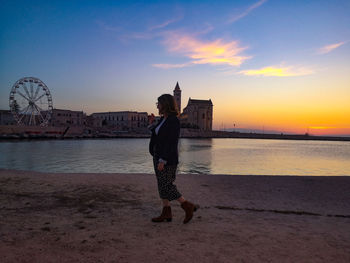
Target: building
[
  {"x": 177, "y": 96},
  {"x": 62, "y": 117},
  {"x": 197, "y": 114},
  {"x": 121, "y": 120},
  {"x": 6, "y": 118}
]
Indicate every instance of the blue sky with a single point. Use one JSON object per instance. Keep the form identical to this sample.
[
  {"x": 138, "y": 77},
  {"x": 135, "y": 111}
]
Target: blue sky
[{"x": 281, "y": 64}]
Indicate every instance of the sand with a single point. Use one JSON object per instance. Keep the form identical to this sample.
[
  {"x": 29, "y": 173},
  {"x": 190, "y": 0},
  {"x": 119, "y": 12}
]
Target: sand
[{"x": 49, "y": 217}]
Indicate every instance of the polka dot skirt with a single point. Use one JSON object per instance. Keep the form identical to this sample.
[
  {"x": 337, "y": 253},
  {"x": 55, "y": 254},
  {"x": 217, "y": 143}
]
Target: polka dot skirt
[{"x": 165, "y": 180}]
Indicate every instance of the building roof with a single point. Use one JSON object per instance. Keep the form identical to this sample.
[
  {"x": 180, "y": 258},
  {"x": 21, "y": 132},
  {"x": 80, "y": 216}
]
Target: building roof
[
  {"x": 194, "y": 101},
  {"x": 114, "y": 112},
  {"x": 66, "y": 110},
  {"x": 177, "y": 87}
]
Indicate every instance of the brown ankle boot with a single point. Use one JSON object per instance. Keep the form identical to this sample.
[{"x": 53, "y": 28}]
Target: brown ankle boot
[
  {"x": 166, "y": 215},
  {"x": 189, "y": 209}
]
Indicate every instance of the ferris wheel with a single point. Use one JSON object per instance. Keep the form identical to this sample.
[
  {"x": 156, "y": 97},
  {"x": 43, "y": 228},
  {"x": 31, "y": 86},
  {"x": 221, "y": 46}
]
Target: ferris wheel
[{"x": 31, "y": 102}]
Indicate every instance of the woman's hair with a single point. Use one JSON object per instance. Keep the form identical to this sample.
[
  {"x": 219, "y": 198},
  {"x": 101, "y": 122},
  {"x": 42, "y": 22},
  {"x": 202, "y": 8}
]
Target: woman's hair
[{"x": 169, "y": 104}]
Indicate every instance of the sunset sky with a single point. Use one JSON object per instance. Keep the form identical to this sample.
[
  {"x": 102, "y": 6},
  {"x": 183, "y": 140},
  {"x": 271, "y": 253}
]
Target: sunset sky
[{"x": 268, "y": 64}]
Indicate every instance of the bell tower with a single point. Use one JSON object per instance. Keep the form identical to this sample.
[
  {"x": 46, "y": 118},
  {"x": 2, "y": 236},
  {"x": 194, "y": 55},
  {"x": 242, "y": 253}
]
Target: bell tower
[{"x": 177, "y": 96}]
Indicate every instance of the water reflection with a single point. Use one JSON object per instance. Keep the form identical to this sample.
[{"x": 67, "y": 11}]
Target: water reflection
[
  {"x": 195, "y": 155},
  {"x": 217, "y": 156}
]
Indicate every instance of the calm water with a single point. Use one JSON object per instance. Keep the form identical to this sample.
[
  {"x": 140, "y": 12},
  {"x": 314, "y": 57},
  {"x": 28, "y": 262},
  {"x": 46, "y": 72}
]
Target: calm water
[{"x": 217, "y": 156}]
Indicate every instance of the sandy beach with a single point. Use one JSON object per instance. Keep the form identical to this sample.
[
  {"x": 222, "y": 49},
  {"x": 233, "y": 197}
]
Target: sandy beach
[{"x": 51, "y": 217}]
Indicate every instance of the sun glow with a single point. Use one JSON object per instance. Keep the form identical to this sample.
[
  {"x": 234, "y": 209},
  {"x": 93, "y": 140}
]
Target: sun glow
[{"x": 273, "y": 71}]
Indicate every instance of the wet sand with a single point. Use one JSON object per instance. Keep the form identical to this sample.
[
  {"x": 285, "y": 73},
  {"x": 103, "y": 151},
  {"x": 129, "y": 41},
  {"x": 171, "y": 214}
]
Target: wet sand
[{"x": 48, "y": 217}]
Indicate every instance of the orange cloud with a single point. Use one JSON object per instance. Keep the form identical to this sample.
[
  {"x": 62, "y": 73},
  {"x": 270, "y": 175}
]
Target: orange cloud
[
  {"x": 329, "y": 48},
  {"x": 216, "y": 52},
  {"x": 274, "y": 71}
]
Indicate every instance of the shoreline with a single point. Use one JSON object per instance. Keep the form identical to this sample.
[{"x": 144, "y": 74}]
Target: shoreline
[
  {"x": 178, "y": 173},
  {"x": 81, "y": 132},
  {"x": 92, "y": 217},
  {"x": 9, "y": 138}
]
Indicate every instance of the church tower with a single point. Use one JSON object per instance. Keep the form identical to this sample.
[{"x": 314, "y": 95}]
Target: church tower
[{"x": 177, "y": 96}]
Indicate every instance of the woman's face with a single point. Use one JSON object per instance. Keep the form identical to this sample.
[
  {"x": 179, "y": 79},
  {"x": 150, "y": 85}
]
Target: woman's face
[{"x": 160, "y": 108}]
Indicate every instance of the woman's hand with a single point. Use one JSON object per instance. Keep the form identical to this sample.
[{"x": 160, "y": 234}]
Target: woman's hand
[{"x": 160, "y": 166}]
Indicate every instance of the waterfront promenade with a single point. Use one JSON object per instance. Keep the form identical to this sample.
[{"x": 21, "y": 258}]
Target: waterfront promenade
[
  {"x": 15, "y": 132},
  {"x": 48, "y": 217}
]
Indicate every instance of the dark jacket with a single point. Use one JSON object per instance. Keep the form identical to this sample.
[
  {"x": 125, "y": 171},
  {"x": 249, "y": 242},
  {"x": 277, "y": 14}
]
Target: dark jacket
[{"x": 164, "y": 145}]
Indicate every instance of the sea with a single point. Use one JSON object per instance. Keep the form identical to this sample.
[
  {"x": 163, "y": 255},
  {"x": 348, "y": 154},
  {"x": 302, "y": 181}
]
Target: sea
[{"x": 231, "y": 156}]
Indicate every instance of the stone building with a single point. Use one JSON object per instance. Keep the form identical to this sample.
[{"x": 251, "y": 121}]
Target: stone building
[
  {"x": 197, "y": 114},
  {"x": 62, "y": 117},
  {"x": 121, "y": 120},
  {"x": 6, "y": 118}
]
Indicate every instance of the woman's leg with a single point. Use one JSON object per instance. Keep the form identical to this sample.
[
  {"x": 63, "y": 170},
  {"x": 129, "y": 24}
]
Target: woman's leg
[
  {"x": 181, "y": 200},
  {"x": 166, "y": 214},
  {"x": 160, "y": 182},
  {"x": 165, "y": 202},
  {"x": 169, "y": 189}
]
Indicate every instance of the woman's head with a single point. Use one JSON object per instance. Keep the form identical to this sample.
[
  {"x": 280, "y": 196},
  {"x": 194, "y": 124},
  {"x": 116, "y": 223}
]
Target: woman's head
[{"x": 167, "y": 105}]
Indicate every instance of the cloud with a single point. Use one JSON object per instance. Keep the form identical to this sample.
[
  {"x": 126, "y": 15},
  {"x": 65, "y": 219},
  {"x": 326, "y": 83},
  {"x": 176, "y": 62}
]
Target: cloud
[
  {"x": 329, "y": 48},
  {"x": 217, "y": 52},
  {"x": 273, "y": 71},
  {"x": 121, "y": 35},
  {"x": 139, "y": 35},
  {"x": 107, "y": 27},
  {"x": 165, "y": 23},
  {"x": 150, "y": 33},
  {"x": 246, "y": 12},
  {"x": 169, "y": 66},
  {"x": 208, "y": 28}
]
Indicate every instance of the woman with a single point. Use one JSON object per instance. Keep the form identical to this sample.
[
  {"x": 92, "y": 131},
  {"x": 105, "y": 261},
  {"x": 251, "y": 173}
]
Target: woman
[{"x": 163, "y": 147}]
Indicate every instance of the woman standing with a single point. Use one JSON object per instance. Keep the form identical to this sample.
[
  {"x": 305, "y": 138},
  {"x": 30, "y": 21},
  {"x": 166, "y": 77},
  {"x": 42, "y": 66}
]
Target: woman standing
[{"x": 164, "y": 149}]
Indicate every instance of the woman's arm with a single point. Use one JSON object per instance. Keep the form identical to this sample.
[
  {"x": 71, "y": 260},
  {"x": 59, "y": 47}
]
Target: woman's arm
[{"x": 151, "y": 145}]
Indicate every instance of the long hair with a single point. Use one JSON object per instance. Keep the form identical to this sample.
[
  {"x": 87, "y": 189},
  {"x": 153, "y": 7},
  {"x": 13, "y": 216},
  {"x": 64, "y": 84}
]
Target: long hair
[{"x": 169, "y": 104}]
